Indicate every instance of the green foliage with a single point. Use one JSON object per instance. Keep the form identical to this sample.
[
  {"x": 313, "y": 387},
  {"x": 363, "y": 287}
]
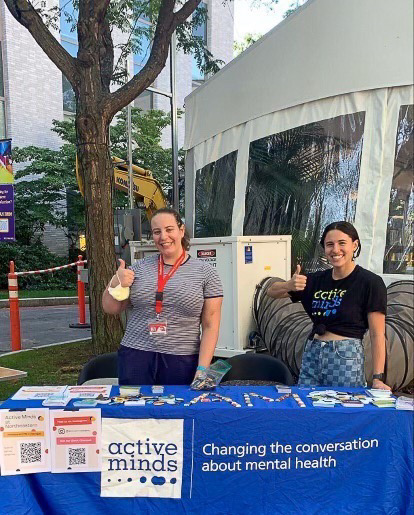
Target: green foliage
[
  {"x": 147, "y": 129},
  {"x": 249, "y": 40},
  {"x": 46, "y": 190},
  {"x": 43, "y": 187},
  {"x": 192, "y": 44},
  {"x": 124, "y": 16},
  {"x": 35, "y": 257},
  {"x": 56, "y": 365},
  {"x": 294, "y": 6}
]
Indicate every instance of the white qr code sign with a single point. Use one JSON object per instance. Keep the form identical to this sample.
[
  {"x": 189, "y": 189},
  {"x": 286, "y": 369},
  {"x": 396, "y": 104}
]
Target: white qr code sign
[
  {"x": 24, "y": 441},
  {"x": 4, "y": 225},
  {"x": 76, "y": 440}
]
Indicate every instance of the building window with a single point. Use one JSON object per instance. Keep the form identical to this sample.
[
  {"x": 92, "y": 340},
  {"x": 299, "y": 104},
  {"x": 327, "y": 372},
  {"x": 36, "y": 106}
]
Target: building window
[
  {"x": 399, "y": 256},
  {"x": 145, "y": 101},
  {"x": 214, "y": 197},
  {"x": 69, "y": 41},
  {"x": 302, "y": 179},
  {"x": 201, "y": 33},
  {"x": 2, "y": 100},
  {"x": 142, "y": 46}
]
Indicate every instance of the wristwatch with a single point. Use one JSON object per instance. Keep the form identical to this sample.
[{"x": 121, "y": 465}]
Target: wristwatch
[{"x": 378, "y": 376}]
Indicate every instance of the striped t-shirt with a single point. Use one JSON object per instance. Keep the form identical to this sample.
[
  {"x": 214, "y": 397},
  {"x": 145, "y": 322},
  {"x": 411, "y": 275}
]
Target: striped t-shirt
[{"x": 184, "y": 294}]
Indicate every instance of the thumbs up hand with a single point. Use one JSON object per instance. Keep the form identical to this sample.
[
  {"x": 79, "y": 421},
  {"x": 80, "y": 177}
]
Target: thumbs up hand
[
  {"x": 124, "y": 275},
  {"x": 297, "y": 282}
]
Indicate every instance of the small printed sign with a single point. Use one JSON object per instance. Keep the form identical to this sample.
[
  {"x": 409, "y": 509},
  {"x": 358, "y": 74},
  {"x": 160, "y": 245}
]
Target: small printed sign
[
  {"x": 248, "y": 254},
  {"x": 209, "y": 255},
  {"x": 206, "y": 253}
]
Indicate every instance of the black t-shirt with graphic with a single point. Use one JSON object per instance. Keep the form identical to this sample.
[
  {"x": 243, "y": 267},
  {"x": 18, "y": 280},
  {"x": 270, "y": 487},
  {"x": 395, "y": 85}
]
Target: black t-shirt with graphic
[{"x": 342, "y": 306}]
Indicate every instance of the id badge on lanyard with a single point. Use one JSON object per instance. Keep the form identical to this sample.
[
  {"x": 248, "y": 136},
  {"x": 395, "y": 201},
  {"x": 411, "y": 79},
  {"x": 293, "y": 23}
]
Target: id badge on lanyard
[{"x": 158, "y": 327}]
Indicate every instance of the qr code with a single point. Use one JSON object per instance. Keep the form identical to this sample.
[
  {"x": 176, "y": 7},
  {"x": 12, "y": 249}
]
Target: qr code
[
  {"x": 31, "y": 452},
  {"x": 4, "y": 225},
  {"x": 77, "y": 456}
]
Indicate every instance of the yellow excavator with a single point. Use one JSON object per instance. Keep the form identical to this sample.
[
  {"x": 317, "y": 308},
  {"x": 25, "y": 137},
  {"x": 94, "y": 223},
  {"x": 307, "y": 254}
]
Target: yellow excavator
[{"x": 146, "y": 188}]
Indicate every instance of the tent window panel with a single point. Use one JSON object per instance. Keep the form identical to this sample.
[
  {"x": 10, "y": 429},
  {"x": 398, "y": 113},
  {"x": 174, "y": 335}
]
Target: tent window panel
[
  {"x": 399, "y": 256},
  {"x": 302, "y": 179},
  {"x": 214, "y": 197}
]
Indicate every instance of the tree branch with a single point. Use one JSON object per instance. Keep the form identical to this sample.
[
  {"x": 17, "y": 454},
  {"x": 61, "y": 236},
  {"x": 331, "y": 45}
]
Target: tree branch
[
  {"x": 166, "y": 25},
  {"x": 186, "y": 10},
  {"x": 26, "y": 15}
]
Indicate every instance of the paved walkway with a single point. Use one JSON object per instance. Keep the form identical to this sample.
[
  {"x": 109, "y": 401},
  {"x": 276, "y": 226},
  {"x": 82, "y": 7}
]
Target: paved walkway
[{"x": 43, "y": 326}]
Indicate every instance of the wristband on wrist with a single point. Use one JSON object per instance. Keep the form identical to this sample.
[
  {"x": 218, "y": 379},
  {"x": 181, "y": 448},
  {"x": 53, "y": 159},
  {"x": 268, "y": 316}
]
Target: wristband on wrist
[{"x": 200, "y": 367}]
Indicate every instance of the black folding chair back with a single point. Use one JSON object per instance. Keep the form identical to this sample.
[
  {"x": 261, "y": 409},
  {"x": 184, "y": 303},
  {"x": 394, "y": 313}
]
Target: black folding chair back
[
  {"x": 102, "y": 366},
  {"x": 258, "y": 367}
]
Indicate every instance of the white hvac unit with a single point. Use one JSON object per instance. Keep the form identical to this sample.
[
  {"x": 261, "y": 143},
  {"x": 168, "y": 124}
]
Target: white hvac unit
[{"x": 241, "y": 262}]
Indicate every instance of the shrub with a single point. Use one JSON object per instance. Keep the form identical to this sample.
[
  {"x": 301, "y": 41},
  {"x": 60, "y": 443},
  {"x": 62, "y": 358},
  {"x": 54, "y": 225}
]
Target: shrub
[{"x": 35, "y": 257}]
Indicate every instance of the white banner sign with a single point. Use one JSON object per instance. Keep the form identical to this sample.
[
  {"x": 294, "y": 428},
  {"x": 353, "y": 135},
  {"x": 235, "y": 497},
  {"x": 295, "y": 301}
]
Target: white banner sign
[{"x": 142, "y": 458}]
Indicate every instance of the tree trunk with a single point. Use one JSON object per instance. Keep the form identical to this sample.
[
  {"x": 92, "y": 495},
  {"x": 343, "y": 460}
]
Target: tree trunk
[{"x": 95, "y": 166}]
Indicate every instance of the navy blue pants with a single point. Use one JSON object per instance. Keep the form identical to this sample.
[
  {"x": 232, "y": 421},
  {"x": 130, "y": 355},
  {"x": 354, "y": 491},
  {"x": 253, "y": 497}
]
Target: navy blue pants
[{"x": 137, "y": 367}]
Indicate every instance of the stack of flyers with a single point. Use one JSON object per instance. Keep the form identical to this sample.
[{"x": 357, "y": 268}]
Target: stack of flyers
[
  {"x": 135, "y": 402},
  {"x": 378, "y": 393},
  {"x": 352, "y": 403},
  {"x": 129, "y": 391},
  {"x": 61, "y": 399},
  {"x": 85, "y": 403},
  {"x": 32, "y": 393},
  {"x": 325, "y": 403},
  {"x": 384, "y": 403},
  {"x": 363, "y": 398},
  {"x": 381, "y": 398},
  {"x": 88, "y": 391},
  {"x": 324, "y": 397},
  {"x": 405, "y": 403}
]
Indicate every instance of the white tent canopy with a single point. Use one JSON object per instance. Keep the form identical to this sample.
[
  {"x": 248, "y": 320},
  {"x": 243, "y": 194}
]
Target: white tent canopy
[
  {"x": 326, "y": 48},
  {"x": 340, "y": 72}
]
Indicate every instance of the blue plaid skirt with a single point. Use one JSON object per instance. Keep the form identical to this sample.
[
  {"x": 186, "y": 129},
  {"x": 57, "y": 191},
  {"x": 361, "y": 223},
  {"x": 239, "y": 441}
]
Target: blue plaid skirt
[{"x": 333, "y": 363}]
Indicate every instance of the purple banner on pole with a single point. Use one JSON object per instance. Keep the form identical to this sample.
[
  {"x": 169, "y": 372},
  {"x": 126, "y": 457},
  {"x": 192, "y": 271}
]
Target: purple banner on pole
[
  {"x": 6, "y": 213},
  {"x": 6, "y": 170}
]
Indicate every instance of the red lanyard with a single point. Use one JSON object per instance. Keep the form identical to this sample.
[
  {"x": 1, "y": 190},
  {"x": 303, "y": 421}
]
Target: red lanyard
[{"x": 163, "y": 279}]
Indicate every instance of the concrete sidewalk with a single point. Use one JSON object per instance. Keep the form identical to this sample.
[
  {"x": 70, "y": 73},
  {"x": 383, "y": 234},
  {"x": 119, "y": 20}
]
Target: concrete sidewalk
[
  {"x": 43, "y": 325},
  {"x": 44, "y": 301}
]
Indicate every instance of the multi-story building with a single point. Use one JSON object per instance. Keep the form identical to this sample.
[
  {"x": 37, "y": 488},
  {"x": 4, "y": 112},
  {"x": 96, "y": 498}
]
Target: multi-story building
[{"x": 33, "y": 91}]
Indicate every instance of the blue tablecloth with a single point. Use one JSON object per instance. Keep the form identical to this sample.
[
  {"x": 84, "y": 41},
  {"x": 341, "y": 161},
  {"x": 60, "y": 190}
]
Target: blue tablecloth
[{"x": 268, "y": 459}]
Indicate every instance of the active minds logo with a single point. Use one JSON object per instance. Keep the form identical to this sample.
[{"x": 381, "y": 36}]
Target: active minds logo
[{"x": 142, "y": 458}]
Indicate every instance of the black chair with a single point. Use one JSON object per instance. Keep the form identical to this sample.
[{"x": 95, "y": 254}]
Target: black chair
[
  {"x": 258, "y": 367},
  {"x": 102, "y": 366}
]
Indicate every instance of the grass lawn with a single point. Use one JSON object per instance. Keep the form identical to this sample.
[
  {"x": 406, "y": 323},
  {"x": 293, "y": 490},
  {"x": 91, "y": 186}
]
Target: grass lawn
[
  {"x": 55, "y": 365},
  {"x": 36, "y": 294}
]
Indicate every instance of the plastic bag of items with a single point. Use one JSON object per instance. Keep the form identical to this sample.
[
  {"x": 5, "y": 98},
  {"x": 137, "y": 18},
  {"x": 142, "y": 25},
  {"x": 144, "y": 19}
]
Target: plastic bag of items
[{"x": 209, "y": 378}]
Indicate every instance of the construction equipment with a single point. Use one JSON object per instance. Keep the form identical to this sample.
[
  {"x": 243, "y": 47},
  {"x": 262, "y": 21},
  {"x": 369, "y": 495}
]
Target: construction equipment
[{"x": 146, "y": 188}]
